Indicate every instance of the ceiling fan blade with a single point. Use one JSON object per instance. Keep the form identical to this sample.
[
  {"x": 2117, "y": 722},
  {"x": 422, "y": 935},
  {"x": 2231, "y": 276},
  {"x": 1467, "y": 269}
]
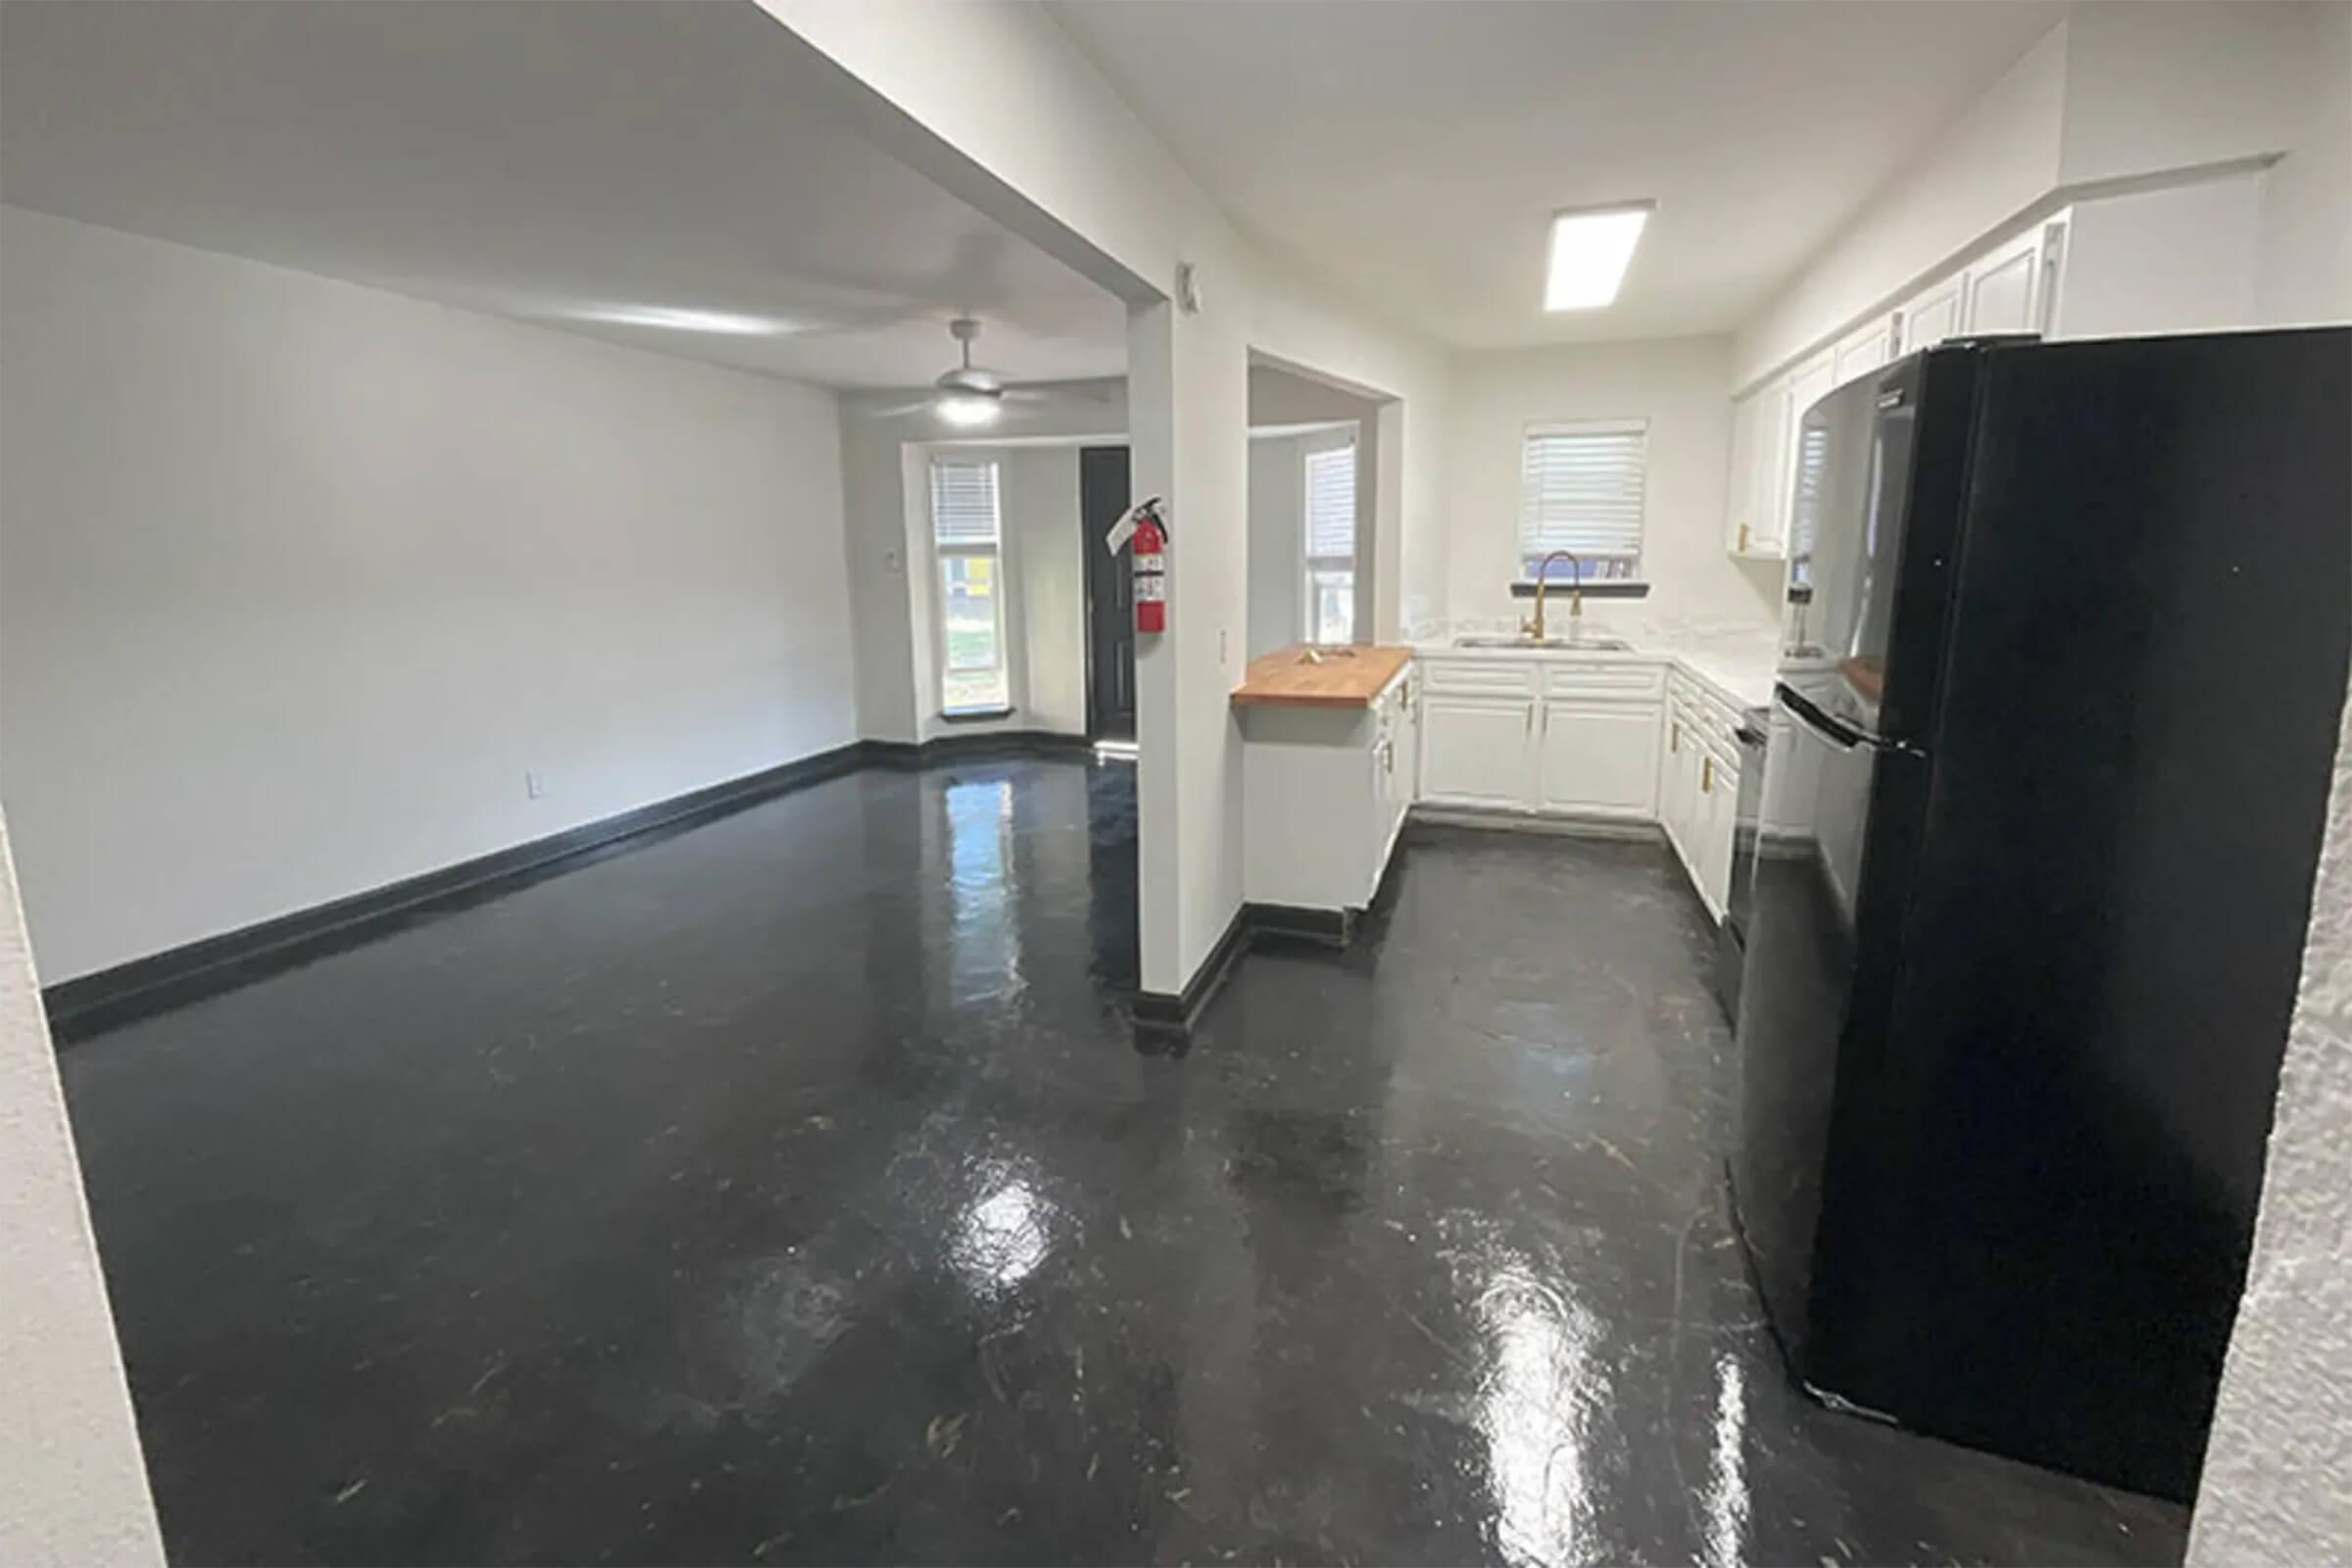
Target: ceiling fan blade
[
  {"x": 1058, "y": 392},
  {"x": 898, "y": 411}
]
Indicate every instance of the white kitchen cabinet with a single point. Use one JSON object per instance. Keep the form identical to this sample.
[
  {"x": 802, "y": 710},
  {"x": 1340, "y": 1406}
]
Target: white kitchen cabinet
[
  {"x": 1755, "y": 526},
  {"x": 1740, "y": 485},
  {"x": 1716, "y": 810},
  {"x": 1678, "y": 788},
  {"x": 1541, "y": 734},
  {"x": 2008, "y": 289},
  {"x": 1698, "y": 787},
  {"x": 1597, "y": 758},
  {"x": 1476, "y": 748},
  {"x": 1931, "y": 315},
  {"x": 1863, "y": 350},
  {"x": 1324, "y": 792}
]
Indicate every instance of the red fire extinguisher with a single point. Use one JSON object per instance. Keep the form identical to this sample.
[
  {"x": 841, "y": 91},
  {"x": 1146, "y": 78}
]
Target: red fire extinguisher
[{"x": 1150, "y": 567}]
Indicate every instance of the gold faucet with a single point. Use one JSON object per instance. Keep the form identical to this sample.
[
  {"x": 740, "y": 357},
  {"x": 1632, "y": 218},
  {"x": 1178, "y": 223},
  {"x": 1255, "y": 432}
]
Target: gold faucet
[{"x": 1534, "y": 629}]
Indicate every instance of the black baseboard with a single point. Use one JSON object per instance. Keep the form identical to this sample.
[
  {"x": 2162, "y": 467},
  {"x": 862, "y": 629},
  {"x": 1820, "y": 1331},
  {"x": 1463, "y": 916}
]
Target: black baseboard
[
  {"x": 92, "y": 1003},
  {"x": 1161, "y": 1017},
  {"x": 994, "y": 746},
  {"x": 1285, "y": 922}
]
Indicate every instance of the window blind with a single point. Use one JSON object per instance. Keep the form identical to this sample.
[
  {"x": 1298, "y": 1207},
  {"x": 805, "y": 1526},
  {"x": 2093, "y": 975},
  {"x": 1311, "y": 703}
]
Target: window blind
[
  {"x": 1579, "y": 490},
  {"x": 964, "y": 502},
  {"x": 1331, "y": 504}
]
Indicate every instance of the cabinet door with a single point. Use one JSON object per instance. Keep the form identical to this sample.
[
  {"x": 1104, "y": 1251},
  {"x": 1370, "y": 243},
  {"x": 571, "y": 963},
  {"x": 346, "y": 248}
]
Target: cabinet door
[
  {"x": 1740, "y": 489},
  {"x": 1933, "y": 315},
  {"x": 1863, "y": 351},
  {"x": 1767, "y": 521},
  {"x": 2004, "y": 289},
  {"x": 1675, "y": 748},
  {"x": 1600, "y": 758},
  {"x": 1476, "y": 751},
  {"x": 1718, "y": 810}
]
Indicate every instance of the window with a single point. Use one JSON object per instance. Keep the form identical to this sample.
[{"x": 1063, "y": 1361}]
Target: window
[
  {"x": 1579, "y": 490},
  {"x": 1330, "y": 546},
  {"x": 967, "y": 534}
]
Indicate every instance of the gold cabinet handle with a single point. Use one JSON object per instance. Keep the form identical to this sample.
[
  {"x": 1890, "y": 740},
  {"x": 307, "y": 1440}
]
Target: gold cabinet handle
[
  {"x": 1707, "y": 775},
  {"x": 1743, "y": 538},
  {"x": 1674, "y": 737}
]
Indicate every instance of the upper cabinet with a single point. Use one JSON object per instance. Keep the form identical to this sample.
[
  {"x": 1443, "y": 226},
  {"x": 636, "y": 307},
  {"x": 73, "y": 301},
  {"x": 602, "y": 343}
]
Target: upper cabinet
[
  {"x": 1863, "y": 350},
  {"x": 1933, "y": 314},
  {"x": 1756, "y": 518},
  {"x": 2012, "y": 287}
]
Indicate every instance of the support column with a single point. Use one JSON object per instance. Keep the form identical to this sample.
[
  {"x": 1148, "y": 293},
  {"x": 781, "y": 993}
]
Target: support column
[{"x": 73, "y": 1484}]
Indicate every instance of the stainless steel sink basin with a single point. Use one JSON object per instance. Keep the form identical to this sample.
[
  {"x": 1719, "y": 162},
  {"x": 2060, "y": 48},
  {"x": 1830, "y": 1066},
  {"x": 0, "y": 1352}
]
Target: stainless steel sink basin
[{"x": 1592, "y": 644}]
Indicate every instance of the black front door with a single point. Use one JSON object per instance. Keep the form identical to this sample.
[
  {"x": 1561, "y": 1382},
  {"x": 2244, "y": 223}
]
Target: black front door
[{"x": 1109, "y": 597}]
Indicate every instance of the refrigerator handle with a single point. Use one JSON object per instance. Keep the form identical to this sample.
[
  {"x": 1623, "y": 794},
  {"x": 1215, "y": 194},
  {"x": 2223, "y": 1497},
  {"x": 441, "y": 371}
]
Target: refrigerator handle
[{"x": 1837, "y": 731}]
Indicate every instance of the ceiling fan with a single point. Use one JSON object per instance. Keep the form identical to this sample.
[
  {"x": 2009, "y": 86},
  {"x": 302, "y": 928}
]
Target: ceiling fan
[{"x": 968, "y": 396}]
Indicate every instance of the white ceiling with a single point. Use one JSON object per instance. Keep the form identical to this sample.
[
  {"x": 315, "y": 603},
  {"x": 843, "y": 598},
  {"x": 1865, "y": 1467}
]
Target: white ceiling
[
  {"x": 1412, "y": 154},
  {"x": 542, "y": 160}
]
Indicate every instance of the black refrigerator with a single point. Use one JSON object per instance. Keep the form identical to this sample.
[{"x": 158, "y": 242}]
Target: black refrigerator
[{"x": 2062, "y": 666}]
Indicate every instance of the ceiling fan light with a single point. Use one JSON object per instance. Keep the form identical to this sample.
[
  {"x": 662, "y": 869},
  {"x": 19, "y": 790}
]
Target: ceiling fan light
[{"x": 967, "y": 410}]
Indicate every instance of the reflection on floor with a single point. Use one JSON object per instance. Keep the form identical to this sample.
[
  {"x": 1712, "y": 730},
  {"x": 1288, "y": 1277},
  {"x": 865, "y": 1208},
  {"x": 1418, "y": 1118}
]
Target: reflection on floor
[{"x": 790, "y": 1189}]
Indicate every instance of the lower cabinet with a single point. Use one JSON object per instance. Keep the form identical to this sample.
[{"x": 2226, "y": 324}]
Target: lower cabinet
[
  {"x": 1475, "y": 749},
  {"x": 1698, "y": 793},
  {"x": 1597, "y": 758},
  {"x": 1554, "y": 737},
  {"x": 1578, "y": 740},
  {"x": 1324, "y": 792}
]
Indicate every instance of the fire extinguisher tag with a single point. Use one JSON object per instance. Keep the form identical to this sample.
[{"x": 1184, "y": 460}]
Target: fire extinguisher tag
[{"x": 1151, "y": 586}]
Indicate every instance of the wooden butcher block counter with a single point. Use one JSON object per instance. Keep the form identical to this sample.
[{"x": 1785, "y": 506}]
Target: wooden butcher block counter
[{"x": 1345, "y": 677}]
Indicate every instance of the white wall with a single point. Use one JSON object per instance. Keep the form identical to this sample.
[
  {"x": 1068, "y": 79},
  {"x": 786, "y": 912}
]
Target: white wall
[
  {"x": 885, "y": 518},
  {"x": 73, "y": 1488},
  {"x": 2152, "y": 89},
  {"x": 2274, "y": 1489},
  {"x": 297, "y": 578},
  {"x": 2304, "y": 247},
  {"x": 2176, "y": 259},
  {"x": 1041, "y": 514},
  {"x": 1676, "y": 385},
  {"x": 1276, "y": 495}
]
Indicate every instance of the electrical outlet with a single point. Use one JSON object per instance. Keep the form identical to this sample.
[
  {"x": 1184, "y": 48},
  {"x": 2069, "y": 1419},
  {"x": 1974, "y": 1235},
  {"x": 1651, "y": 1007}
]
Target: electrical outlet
[{"x": 534, "y": 783}]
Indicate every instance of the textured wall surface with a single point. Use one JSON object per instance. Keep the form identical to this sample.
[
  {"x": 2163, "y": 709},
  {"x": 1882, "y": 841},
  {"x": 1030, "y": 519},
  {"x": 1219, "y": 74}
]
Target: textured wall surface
[
  {"x": 73, "y": 1488},
  {"x": 2278, "y": 1485}
]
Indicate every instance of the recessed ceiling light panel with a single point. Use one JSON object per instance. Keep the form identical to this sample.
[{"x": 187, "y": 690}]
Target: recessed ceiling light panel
[{"x": 1591, "y": 248}]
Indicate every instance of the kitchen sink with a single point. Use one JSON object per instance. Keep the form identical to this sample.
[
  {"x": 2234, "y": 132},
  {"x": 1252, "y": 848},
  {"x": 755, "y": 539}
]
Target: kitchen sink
[{"x": 1590, "y": 644}]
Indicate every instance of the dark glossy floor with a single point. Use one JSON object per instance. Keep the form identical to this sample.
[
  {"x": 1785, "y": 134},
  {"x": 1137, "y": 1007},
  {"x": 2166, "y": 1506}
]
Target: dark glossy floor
[{"x": 790, "y": 1189}]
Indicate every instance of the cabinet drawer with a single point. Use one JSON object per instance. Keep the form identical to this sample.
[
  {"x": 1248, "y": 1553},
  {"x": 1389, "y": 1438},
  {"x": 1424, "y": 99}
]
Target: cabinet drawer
[
  {"x": 1481, "y": 678},
  {"x": 1632, "y": 681}
]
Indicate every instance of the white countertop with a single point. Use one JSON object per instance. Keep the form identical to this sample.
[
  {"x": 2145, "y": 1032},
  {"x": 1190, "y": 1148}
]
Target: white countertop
[{"x": 1741, "y": 676}]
